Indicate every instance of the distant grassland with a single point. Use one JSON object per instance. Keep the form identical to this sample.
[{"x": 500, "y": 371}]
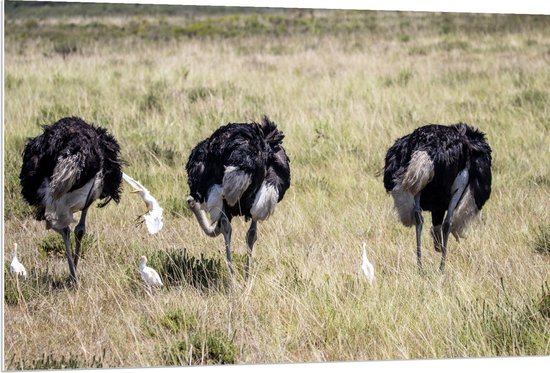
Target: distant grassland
[
  {"x": 157, "y": 23},
  {"x": 342, "y": 86}
]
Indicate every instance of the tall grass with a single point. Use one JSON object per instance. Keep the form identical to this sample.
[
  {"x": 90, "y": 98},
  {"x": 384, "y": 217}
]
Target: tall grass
[{"x": 341, "y": 99}]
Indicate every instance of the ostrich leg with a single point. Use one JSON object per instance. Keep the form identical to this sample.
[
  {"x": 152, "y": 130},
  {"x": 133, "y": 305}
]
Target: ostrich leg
[
  {"x": 436, "y": 229},
  {"x": 419, "y": 221},
  {"x": 80, "y": 228},
  {"x": 251, "y": 236},
  {"x": 79, "y": 232},
  {"x": 226, "y": 229},
  {"x": 459, "y": 185},
  {"x": 66, "y": 234}
]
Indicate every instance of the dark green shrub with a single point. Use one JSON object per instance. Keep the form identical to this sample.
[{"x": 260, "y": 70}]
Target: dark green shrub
[
  {"x": 52, "y": 244},
  {"x": 177, "y": 266},
  {"x": 177, "y": 321},
  {"x": 213, "y": 348}
]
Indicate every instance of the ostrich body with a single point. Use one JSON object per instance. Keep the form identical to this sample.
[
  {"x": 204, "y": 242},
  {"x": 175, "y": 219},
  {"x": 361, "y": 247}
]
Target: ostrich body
[
  {"x": 442, "y": 169},
  {"x": 65, "y": 169},
  {"x": 240, "y": 170}
]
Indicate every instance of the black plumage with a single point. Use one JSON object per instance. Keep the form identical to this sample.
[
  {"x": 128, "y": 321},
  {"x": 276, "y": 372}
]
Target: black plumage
[
  {"x": 240, "y": 170},
  {"x": 65, "y": 169},
  {"x": 442, "y": 169}
]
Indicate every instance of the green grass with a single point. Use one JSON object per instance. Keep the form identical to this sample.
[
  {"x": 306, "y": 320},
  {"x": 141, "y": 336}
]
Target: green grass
[
  {"x": 47, "y": 362},
  {"x": 342, "y": 86}
]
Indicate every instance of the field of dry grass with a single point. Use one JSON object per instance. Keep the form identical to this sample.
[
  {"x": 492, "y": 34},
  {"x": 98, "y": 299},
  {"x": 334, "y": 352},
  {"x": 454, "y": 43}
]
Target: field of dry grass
[{"x": 341, "y": 99}]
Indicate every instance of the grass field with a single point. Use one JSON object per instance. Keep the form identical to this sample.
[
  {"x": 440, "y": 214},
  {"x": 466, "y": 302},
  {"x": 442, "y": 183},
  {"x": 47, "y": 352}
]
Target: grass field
[{"x": 342, "y": 86}]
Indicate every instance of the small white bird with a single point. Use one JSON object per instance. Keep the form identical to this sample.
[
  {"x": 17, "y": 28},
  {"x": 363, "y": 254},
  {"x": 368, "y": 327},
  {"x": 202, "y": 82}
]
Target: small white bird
[
  {"x": 16, "y": 266},
  {"x": 148, "y": 274},
  {"x": 153, "y": 216},
  {"x": 367, "y": 267}
]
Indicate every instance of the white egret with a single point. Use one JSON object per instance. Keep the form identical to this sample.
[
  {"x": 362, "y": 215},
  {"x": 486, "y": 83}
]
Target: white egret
[
  {"x": 153, "y": 216},
  {"x": 16, "y": 266},
  {"x": 148, "y": 274},
  {"x": 367, "y": 267}
]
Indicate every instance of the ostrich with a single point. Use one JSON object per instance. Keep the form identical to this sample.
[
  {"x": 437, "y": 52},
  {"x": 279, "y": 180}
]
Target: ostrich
[
  {"x": 442, "y": 169},
  {"x": 65, "y": 169},
  {"x": 240, "y": 170}
]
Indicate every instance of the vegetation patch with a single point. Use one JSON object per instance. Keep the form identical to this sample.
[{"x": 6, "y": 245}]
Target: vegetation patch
[
  {"x": 18, "y": 290},
  {"x": 51, "y": 113},
  {"x": 177, "y": 266},
  {"x": 65, "y": 48},
  {"x": 544, "y": 303},
  {"x": 53, "y": 245},
  {"x": 450, "y": 45},
  {"x": 541, "y": 239},
  {"x": 178, "y": 321},
  {"x": 401, "y": 79},
  {"x": 213, "y": 347},
  {"x": 200, "y": 93},
  {"x": 176, "y": 207},
  {"x": 165, "y": 153},
  {"x": 531, "y": 97},
  {"x": 51, "y": 361},
  {"x": 508, "y": 328}
]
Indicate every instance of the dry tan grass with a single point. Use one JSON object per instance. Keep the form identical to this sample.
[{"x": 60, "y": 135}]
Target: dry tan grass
[{"x": 341, "y": 101}]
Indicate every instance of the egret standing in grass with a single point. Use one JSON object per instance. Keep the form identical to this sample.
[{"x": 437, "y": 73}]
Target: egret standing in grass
[
  {"x": 16, "y": 266},
  {"x": 366, "y": 266},
  {"x": 148, "y": 274},
  {"x": 153, "y": 216}
]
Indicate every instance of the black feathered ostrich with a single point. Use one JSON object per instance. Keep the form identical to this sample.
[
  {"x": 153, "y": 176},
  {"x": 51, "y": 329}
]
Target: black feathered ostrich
[
  {"x": 65, "y": 170},
  {"x": 240, "y": 170},
  {"x": 442, "y": 169}
]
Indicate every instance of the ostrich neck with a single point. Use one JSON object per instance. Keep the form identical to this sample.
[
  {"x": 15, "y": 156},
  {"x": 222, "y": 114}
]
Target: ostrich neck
[{"x": 210, "y": 229}]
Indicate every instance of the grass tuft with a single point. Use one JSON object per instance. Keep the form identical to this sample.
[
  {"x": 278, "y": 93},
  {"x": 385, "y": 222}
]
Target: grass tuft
[
  {"x": 200, "y": 93},
  {"x": 531, "y": 97},
  {"x": 541, "y": 239},
  {"x": 178, "y": 321},
  {"x": 50, "y": 361},
  {"x": 53, "y": 245},
  {"x": 212, "y": 348},
  {"x": 176, "y": 266}
]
